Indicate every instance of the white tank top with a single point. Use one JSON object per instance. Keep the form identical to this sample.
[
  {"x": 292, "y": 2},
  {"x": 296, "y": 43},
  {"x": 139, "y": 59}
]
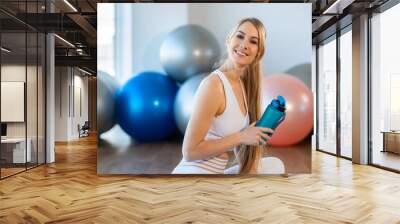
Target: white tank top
[{"x": 230, "y": 121}]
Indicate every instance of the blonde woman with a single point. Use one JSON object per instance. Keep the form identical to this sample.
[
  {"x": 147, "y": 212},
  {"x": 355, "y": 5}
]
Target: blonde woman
[{"x": 227, "y": 101}]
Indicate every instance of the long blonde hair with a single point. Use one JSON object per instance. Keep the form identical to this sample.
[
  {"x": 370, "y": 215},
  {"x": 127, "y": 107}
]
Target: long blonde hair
[{"x": 248, "y": 156}]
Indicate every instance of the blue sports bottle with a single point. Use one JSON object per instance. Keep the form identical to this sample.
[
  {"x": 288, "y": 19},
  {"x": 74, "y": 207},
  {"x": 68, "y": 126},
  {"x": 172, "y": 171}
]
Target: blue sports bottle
[{"x": 273, "y": 115}]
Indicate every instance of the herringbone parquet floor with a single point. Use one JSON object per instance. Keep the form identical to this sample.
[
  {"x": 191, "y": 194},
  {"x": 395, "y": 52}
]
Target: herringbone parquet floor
[{"x": 70, "y": 191}]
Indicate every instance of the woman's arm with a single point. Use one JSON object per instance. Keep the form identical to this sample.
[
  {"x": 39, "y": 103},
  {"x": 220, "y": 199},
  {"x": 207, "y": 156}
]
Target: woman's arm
[{"x": 210, "y": 101}]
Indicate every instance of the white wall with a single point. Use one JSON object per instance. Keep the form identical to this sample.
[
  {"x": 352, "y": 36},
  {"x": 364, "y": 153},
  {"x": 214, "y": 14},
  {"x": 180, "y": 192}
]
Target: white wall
[
  {"x": 67, "y": 115},
  {"x": 61, "y": 104},
  {"x": 79, "y": 117}
]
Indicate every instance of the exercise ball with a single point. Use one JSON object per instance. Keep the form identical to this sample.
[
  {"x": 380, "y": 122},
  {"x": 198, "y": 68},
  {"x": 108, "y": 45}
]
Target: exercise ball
[
  {"x": 184, "y": 101},
  {"x": 109, "y": 81},
  {"x": 144, "y": 106},
  {"x": 189, "y": 50},
  {"x": 299, "y": 108},
  {"x": 106, "y": 90},
  {"x": 302, "y": 72}
]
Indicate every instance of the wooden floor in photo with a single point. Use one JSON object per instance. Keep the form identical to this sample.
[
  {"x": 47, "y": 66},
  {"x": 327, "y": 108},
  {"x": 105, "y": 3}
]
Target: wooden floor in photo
[
  {"x": 162, "y": 157},
  {"x": 70, "y": 191}
]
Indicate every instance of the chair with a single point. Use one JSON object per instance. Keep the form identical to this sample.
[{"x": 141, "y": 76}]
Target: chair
[{"x": 84, "y": 130}]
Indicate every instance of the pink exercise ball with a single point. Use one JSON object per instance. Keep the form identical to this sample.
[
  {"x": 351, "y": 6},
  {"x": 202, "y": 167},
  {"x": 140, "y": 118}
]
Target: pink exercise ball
[{"x": 299, "y": 108}]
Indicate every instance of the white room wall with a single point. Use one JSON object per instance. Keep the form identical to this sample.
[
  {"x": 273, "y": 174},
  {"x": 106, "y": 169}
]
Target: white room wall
[
  {"x": 68, "y": 82},
  {"x": 61, "y": 103},
  {"x": 79, "y": 117}
]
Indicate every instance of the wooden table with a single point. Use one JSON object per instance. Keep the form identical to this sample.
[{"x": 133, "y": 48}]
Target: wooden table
[
  {"x": 16, "y": 147},
  {"x": 391, "y": 141}
]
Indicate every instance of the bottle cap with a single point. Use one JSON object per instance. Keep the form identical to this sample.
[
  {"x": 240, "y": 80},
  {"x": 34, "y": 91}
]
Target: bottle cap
[
  {"x": 275, "y": 103},
  {"x": 279, "y": 103},
  {"x": 281, "y": 100}
]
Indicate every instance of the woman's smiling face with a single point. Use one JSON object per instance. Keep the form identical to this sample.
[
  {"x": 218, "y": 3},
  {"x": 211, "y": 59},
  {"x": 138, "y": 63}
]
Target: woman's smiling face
[{"x": 243, "y": 45}]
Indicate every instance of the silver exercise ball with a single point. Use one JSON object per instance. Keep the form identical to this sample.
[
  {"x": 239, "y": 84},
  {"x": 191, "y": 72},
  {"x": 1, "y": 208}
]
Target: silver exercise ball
[
  {"x": 189, "y": 50},
  {"x": 184, "y": 101},
  {"x": 302, "y": 72},
  {"x": 106, "y": 89}
]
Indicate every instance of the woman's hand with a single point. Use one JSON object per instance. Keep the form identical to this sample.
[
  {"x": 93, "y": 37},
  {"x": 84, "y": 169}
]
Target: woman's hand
[{"x": 253, "y": 135}]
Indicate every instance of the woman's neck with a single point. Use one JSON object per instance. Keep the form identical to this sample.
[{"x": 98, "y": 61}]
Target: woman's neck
[{"x": 232, "y": 72}]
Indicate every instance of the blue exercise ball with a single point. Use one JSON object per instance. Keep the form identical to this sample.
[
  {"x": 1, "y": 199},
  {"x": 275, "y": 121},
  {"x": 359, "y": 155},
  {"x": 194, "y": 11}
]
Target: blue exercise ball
[
  {"x": 187, "y": 51},
  {"x": 106, "y": 89},
  {"x": 184, "y": 101},
  {"x": 144, "y": 107}
]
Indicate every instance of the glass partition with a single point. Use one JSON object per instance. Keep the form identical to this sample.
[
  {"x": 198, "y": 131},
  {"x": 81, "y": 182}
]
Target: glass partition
[
  {"x": 14, "y": 153},
  {"x": 22, "y": 67},
  {"x": 346, "y": 93},
  {"x": 385, "y": 89},
  {"x": 327, "y": 96}
]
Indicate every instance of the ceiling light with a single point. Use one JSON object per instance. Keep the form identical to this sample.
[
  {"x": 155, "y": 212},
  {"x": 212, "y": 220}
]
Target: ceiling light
[
  {"x": 338, "y": 6},
  {"x": 5, "y": 50},
  {"x": 70, "y": 5},
  {"x": 331, "y": 7},
  {"x": 84, "y": 71},
  {"x": 65, "y": 41}
]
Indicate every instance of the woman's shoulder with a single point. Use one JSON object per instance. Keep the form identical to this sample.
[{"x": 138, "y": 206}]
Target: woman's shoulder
[
  {"x": 212, "y": 83},
  {"x": 211, "y": 93}
]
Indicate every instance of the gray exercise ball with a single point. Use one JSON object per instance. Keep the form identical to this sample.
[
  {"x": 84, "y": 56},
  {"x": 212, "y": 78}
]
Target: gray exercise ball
[
  {"x": 189, "y": 50},
  {"x": 302, "y": 72},
  {"x": 106, "y": 90},
  {"x": 184, "y": 101}
]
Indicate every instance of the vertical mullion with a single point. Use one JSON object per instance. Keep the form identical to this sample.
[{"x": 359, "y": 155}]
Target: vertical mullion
[
  {"x": 0, "y": 93},
  {"x": 338, "y": 74},
  {"x": 45, "y": 87},
  {"x": 369, "y": 83},
  {"x": 45, "y": 93},
  {"x": 26, "y": 86},
  {"x": 37, "y": 90},
  {"x": 317, "y": 96},
  {"x": 73, "y": 93},
  {"x": 69, "y": 92},
  {"x": 60, "y": 88}
]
